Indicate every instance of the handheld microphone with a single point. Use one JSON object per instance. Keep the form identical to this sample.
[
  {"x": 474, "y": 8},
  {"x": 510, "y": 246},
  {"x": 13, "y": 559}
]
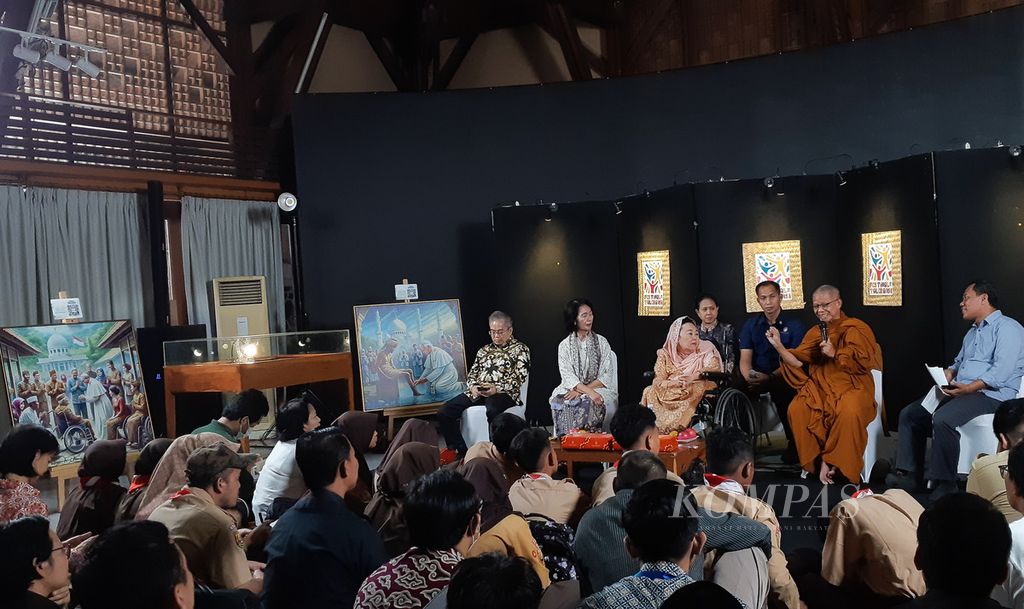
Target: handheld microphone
[{"x": 823, "y": 328}]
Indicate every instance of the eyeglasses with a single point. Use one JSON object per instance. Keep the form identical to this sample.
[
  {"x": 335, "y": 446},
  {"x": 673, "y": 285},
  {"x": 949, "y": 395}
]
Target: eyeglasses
[
  {"x": 499, "y": 332},
  {"x": 824, "y": 305},
  {"x": 1004, "y": 471}
]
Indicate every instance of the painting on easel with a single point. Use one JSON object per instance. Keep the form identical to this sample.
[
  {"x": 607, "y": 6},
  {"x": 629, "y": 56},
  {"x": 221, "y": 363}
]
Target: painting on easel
[{"x": 410, "y": 354}]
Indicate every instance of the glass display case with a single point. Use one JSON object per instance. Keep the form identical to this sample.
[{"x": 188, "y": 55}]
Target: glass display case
[{"x": 256, "y": 348}]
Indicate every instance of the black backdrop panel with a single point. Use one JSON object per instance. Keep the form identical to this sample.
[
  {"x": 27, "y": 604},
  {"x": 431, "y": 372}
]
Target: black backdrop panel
[
  {"x": 542, "y": 265},
  {"x": 730, "y": 214},
  {"x": 981, "y": 212},
  {"x": 661, "y": 221},
  {"x": 897, "y": 195}
]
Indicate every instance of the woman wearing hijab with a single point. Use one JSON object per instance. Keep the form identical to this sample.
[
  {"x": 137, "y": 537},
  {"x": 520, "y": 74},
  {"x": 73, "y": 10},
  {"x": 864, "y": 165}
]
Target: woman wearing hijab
[
  {"x": 677, "y": 387},
  {"x": 93, "y": 502},
  {"x": 413, "y": 430},
  {"x": 280, "y": 476},
  {"x": 144, "y": 466},
  {"x": 411, "y": 461},
  {"x": 361, "y": 430},
  {"x": 589, "y": 389}
]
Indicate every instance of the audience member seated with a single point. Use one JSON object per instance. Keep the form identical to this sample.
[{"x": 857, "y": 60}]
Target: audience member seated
[
  {"x": 835, "y": 395},
  {"x": 25, "y": 455},
  {"x": 412, "y": 430},
  {"x": 320, "y": 552},
  {"x": 361, "y": 430},
  {"x": 412, "y": 461},
  {"x": 759, "y": 361},
  {"x": 1011, "y": 592},
  {"x": 493, "y": 581},
  {"x": 511, "y": 536},
  {"x": 589, "y": 388},
  {"x": 634, "y": 427},
  {"x": 197, "y": 522},
  {"x": 280, "y": 476},
  {"x": 985, "y": 479},
  {"x": 986, "y": 372},
  {"x": 33, "y": 565},
  {"x": 488, "y": 478},
  {"x": 677, "y": 387},
  {"x": 95, "y": 498},
  {"x": 730, "y": 455},
  {"x": 666, "y": 541},
  {"x": 134, "y": 566},
  {"x": 537, "y": 492},
  {"x": 169, "y": 476},
  {"x": 963, "y": 543},
  {"x": 702, "y": 594},
  {"x": 869, "y": 552},
  {"x": 149, "y": 456},
  {"x": 504, "y": 428},
  {"x": 238, "y": 417},
  {"x": 494, "y": 380},
  {"x": 720, "y": 334},
  {"x": 442, "y": 514}
]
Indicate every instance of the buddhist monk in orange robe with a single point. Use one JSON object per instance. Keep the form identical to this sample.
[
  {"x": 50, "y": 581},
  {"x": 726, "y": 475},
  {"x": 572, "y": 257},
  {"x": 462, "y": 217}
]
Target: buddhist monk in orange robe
[{"x": 835, "y": 399}]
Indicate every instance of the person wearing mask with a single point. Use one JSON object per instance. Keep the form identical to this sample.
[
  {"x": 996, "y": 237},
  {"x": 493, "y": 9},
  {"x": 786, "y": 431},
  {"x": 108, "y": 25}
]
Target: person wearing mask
[{"x": 238, "y": 417}]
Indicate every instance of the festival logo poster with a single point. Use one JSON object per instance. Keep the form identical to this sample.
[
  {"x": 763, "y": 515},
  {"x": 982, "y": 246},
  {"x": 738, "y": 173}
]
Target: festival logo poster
[
  {"x": 777, "y": 261},
  {"x": 883, "y": 268},
  {"x": 653, "y": 284}
]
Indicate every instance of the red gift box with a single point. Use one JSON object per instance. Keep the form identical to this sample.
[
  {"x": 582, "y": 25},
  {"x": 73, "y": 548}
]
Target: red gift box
[
  {"x": 666, "y": 444},
  {"x": 587, "y": 441}
]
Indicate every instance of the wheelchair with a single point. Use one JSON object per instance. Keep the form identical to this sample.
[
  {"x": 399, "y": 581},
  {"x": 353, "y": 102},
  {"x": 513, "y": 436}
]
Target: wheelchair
[{"x": 723, "y": 406}]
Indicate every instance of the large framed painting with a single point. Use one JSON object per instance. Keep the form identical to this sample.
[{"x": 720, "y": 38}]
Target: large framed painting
[
  {"x": 410, "y": 354},
  {"x": 82, "y": 382}
]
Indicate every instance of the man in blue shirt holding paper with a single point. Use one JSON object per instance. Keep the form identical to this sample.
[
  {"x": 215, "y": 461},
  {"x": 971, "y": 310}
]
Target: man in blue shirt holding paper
[{"x": 986, "y": 372}]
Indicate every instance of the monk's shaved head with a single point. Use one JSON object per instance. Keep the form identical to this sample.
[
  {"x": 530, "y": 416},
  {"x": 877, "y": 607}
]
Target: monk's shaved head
[{"x": 827, "y": 290}]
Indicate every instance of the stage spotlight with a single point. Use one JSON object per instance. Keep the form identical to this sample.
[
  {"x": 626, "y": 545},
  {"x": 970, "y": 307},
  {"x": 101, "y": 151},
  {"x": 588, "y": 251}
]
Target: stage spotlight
[
  {"x": 769, "y": 183},
  {"x": 89, "y": 68},
  {"x": 25, "y": 54},
  {"x": 618, "y": 207},
  {"x": 1015, "y": 151},
  {"x": 873, "y": 163},
  {"x": 287, "y": 201},
  {"x": 842, "y": 179},
  {"x": 552, "y": 208},
  {"x": 58, "y": 61}
]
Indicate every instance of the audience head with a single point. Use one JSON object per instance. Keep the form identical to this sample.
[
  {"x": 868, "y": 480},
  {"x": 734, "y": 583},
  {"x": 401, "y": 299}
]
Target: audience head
[
  {"x": 954, "y": 526},
  {"x": 500, "y": 327},
  {"x": 33, "y": 558},
  {"x": 731, "y": 454},
  {"x": 27, "y": 451},
  {"x": 135, "y": 565},
  {"x": 827, "y": 302},
  {"x": 531, "y": 450},
  {"x": 769, "y": 296},
  {"x": 494, "y": 581},
  {"x": 980, "y": 298},
  {"x": 706, "y": 306},
  {"x": 150, "y": 455},
  {"x": 105, "y": 459},
  {"x": 578, "y": 315},
  {"x": 217, "y": 470},
  {"x": 638, "y": 468},
  {"x": 701, "y": 594},
  {"x": 634, "y": 427},
  {"x": 656, "y": 531},
  {"x": 1008, "y": 423},
  {"x": 295, "y": 418},
  {"x": 327, "y": 461},
  {"x": 1013, "y": 476},
  {"x": 248, "y": 408},
  {"x": 504, "y": 428},
  {"x": 442, "y": 511}
]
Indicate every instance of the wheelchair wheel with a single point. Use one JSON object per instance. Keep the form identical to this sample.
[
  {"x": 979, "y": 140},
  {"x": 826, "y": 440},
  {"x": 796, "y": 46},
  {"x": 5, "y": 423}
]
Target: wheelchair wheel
[
  {"x": 76, "y": 439},
  {"x": 734, "y": 410}
]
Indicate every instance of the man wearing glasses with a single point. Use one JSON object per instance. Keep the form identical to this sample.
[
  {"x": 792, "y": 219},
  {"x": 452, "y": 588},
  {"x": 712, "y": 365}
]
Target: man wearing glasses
[
  {"x": 835, "y": 394},
  {"x": 985, "y": 373},
  {"x": 494, "y": 380}
]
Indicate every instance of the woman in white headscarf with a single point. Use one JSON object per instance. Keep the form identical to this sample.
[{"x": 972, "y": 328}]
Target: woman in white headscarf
[{"x": 101, "y": 409}]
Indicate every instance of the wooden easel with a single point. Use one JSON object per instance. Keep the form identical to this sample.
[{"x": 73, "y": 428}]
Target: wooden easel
[{"x": 406, "y": 412}]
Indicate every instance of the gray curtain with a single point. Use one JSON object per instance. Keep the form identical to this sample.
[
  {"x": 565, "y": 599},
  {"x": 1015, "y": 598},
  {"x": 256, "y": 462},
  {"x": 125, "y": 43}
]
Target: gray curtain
[
  {"x": 228, "y": 238},
  {"x": 92, "y": 244}
]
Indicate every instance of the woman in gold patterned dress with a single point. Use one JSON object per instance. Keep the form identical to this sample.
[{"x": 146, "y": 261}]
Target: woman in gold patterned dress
[{"x": 677, "y": 387}]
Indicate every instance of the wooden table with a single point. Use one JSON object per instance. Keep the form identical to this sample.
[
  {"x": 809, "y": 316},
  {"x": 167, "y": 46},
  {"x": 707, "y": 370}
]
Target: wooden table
[
  {"x": 676, "y": 462},
  {"x": 269, "y": 373}
]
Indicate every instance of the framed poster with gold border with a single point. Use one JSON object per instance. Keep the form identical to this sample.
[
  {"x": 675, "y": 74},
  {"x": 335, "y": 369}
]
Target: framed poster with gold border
[
  {"x": 882, "y": 260},
  {"x": 654, "y": 286},
  {"x": 777, "y": 261}
]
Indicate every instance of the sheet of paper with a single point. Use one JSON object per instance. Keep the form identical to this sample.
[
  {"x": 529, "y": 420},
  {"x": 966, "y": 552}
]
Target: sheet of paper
[{"x": 938, "y": 375}]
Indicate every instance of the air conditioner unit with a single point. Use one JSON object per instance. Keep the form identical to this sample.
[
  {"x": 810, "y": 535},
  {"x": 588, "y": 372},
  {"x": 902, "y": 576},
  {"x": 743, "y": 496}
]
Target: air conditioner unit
[{"x": 238, "y": 306}]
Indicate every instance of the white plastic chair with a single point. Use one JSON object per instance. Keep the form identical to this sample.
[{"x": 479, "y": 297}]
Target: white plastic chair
[
  {"x": 474, "y": 419},
  {"x": 976, "y": 437},
  {"x": 611, "y": 406},
  {"x": 875, "y": 429}
]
